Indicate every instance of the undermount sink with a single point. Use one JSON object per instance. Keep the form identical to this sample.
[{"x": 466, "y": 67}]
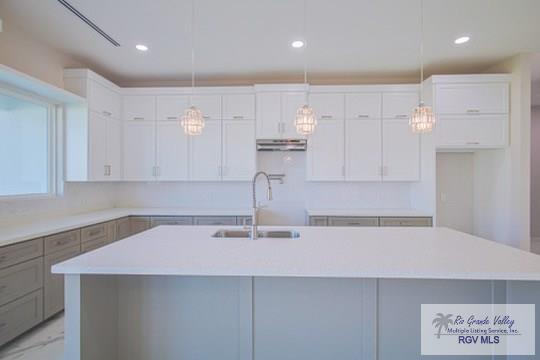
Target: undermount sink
[{"x": 281, "y": 234}]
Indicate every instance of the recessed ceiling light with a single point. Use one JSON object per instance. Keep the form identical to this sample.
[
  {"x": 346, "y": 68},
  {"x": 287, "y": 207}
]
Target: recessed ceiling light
[
  {"x": 141, "y": 47},
  {"x": 462, "y": 40},
  {"x": 297, "y": 44}
]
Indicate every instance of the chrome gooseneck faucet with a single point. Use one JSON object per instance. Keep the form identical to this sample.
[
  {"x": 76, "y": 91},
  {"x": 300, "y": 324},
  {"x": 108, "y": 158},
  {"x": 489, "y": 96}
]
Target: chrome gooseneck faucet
[{"x": 254, "y": 221}]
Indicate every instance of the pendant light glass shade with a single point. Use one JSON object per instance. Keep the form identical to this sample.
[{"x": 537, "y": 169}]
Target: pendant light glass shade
[
  {"x": 305, "y": 121},
  {"x": 193, "y": 121},
  {"x": 422, "y": 119}
]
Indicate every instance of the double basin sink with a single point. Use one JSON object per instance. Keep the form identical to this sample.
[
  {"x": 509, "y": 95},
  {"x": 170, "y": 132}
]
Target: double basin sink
[{"x": 278, "y": 234}]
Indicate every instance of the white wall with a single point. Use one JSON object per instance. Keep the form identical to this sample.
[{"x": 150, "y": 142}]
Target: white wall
[
  {"x": 455, "y": 191},
  {"x": 535, "y": 173}
]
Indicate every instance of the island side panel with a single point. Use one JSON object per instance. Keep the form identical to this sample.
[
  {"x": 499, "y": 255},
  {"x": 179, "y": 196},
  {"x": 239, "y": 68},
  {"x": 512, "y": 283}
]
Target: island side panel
[
  {"x": 188, "y": 318},
  {"x": 399, "y": 306},
  {"x": 314, "y": 318},
  {"x": 91, "y": 317}
]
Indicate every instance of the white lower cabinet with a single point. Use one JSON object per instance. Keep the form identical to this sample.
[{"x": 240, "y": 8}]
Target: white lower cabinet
[
  {"x": 325, "y": 151},
  {"x": 363, "y": 143},
  {"x": 53, "y": 300},
  {"x": 205, "y": 153},
  {"x": 401, "y": 152},
  {"x": 172, "y": 151},
  {"x": 139, "y": 150},
  {"x": 238, "y": 150}
]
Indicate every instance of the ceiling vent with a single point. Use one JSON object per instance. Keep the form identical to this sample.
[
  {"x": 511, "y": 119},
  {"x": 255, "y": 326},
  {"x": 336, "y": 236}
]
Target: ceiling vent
[{"x": 89, "y": 22}]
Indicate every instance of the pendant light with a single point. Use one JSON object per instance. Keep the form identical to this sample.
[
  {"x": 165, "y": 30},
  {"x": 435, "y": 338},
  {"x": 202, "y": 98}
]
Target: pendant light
[
  {"x": 305, "y": 121},
  {"x": 193, "y": 120},
  {"x": 422, "y": 119}
]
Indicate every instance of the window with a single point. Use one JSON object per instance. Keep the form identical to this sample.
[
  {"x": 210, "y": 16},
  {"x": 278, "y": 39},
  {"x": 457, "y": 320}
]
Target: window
[{"x": 26, "y": 146}]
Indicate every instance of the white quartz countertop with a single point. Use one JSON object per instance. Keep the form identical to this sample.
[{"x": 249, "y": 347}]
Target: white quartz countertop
[
  {"x": 406, "y": 253},
  {"x": 366, "y": 212},
  {"x": 35, "y": 229}
]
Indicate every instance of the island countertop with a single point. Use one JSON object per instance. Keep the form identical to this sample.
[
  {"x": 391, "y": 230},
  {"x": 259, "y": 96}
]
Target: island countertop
[{"x": 328, "y": 252}]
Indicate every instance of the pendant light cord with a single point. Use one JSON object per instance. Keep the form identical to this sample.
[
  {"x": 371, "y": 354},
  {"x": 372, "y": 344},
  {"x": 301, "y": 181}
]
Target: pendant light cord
[
  {"x": 305, "y": 46},
  {"x": 192, "y": 30},
  {"x": 421, "y": 51}
]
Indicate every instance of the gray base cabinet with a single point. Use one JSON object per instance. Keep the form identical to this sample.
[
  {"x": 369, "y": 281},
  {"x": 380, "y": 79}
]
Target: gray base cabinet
[
  {"x": 53, "y": 284},
  {"x": 422, "y": 221},
  {"x": 20, "y": 316}
]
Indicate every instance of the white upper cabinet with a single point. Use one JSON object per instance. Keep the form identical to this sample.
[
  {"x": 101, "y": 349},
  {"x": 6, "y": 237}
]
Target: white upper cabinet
[
  {"x": 104, "y": 100},
  {"x": 97, "y": 147},
  {"x": 139, "y": 150},
  {"x": 139, "y": 107},
  {"x": 290, "y": 103},
  {"x": 238, "y": 150},
  {"x": 238, "y": 106},
  {"x": 399, "y": 105},
  {"x": 268, "y": 115},
  {"x": 171, "y": 107},
  {"x": 363, "y": 146},
  {"x": 172, "y": 155},
  {"x": 401, "y": 151},
  {"x": 205, "y": 153},
  {"x": 328, "y": 106},
  {"x": 363, "y": 106},
  {"x": 487, "y": 98},
  {"x": 325, "y": 151},
  {"x": 484, "y": 131},
  {"x": 210, "y": 105},
  {"x": 114, "y": 149}
]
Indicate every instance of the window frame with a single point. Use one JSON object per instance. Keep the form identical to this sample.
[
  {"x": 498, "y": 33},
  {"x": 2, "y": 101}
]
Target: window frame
[{"x": 53, "y": 170}]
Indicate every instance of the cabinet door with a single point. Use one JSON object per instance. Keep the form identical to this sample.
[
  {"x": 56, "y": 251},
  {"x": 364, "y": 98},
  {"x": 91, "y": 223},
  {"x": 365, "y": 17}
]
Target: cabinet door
[
  {"x": 239, "y": 106},
  {"x": 291, "y": 102},
  {"x": 328, "y": 106},
  {"x": 269, "y": 115},
  {"x": 399, "y": 105},
  {"x": 123, "y": 228},
  {"x": 54, "y": 283},
  {"x": 363, "y": 106},
  {"x": 472, "y": 98},
  {"x": 238, "y": 150},
  {"x": 172, "y": 151},
  {"x": 325, "y": 152},
  {"x": 97, "y": 147},
  {"x": 138, "y": 224},
  {"x": 21, "y": 315},
  {"x": 401, "y": 151},
  {"x": 363, "y": 146},
  {"x": 112, "y": 231},
  {"x": 205, "y": 153},
  {"x": 467, "y": 132},
  {"x": 103, "y": 100},
  {"x": 139, "y": 107},
  {"x": 139, "y": 150},
  {"x": 210, "y": 105},
  {"x": 171, "y": 107},
  {"x": 114, "y": 149}
]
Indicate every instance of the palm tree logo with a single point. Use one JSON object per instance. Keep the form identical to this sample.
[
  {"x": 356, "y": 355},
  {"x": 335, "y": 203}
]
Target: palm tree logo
[{"x": 442, "y": 321}]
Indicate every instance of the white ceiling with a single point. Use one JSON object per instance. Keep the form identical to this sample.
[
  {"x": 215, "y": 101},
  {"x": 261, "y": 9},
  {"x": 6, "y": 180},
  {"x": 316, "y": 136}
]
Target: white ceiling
[{"x": 248, "y": 40}]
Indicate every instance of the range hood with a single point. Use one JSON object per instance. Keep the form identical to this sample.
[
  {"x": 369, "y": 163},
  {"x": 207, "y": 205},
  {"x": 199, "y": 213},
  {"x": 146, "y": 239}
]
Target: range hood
[{"x": 281, "y": 145}]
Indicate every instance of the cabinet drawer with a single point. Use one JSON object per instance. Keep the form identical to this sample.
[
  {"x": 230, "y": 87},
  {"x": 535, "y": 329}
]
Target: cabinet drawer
[
  {"x": 17, "y": 253},
  {"x": 329, "y": 106},
  {"x": 210, "y": 105},
  {"x": 363, "y": 106},
  {"x": 399, "y": 105},
  {"x": 244, "y": 220},
  {"x": 171, "y": 107},
  {"x": 53, "y": 284},
  {"x": 482, "y": 131},
  {"x": 93, "y": 232},
  {"x": 62, "y": 241},
  {"x": 215, "y": 220},
  {"x": 406, "y": 221},
  {"x": 472, "y": 98},
  {"x": 94, "y": 244},
  {"x": 138, "y": 224},
  {"x": 20, "y": 280},
  {"x": 318, "y": 221},
  {"x": 353, "y": 221},
  {"x": 171, "y": 220},
  {"x": 139, "y": 108},
  {"x": 20, "y": 315},
  {"x": 238, "y": 106}
]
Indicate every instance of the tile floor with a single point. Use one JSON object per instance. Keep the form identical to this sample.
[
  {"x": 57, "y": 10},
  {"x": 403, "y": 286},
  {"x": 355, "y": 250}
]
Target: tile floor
[{"x": 45, "y": 342}]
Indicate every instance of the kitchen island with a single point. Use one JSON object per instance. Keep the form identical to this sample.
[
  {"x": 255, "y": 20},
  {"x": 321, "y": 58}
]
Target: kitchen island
[{"x": 176, "y": 292}]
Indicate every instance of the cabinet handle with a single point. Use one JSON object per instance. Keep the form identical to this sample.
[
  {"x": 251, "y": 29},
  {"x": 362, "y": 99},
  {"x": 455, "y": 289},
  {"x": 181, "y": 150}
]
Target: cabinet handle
[
  {"x": 61, "y": 242},
  {"x": 171, "y": 118},
  {"x": 106, "y": 113},
  {"x": 402, "y": 116},
  {"x": 206, "y": 117},
  {"x": 94, "y": 232},
  {"x": 2, "y": 258},
  {"x": 472, "y": 111},
  {"x": 326, "y": 116},
  {"x": 138, "y": 118},
  {"x": 342, "y": 170},
  {"x": 283, "y": 125},
  {"x": 3, "y": 287},
  {"x": 473, "y": 143},
  {"x": 363, "y": 116},
  {"x": 238, "y": 117}
]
